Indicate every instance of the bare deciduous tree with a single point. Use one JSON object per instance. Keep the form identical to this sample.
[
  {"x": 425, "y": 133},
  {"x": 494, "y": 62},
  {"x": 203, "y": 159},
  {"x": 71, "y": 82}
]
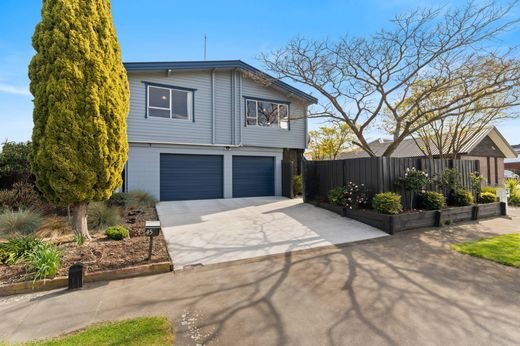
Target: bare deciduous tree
[{"x": 360, "y": 79}]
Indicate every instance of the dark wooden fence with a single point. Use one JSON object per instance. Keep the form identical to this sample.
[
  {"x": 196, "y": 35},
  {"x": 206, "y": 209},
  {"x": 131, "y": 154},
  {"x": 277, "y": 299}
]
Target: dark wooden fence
[
  {"x": 287, "y": 179},
  {"x": 378, "y": 174}
]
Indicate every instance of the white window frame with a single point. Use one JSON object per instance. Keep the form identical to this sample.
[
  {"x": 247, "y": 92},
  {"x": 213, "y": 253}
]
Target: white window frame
[
  {"x": 189, "y": 101},
  {"x": 278, "y": 104}
]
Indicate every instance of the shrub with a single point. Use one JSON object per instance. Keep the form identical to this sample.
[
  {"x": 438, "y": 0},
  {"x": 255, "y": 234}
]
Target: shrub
[
  {"x": 431, "y": 200},
  {"x": 141, "y": 199},
  {"x": 449, "y": 180},
  {"x": 117, "y": 233},
  {"x": 118, "y": 199},
  {"x": 44, "y": 260},
  {"x": 14, "y": 163},
  {"x": 414, "y": 180},
  {"x": 512, "y": 184},
  {"x": 489, "y": 189},
  {"x": 22, "y": 221},
  {"x": 387, "y": 203},
  {"x": 337, "y": 196},
  {"x": 476, "y": 182},
  {"x": 297, "y": 185},
  {"x": 460, "y": 198},
  {"x": 514, "y": 198},
  {"x": 101, "y": 216},
  {"x": 487, "y": 197},
  {"x": 22, "y": 195},
  {"x": 17, "y": 248}
]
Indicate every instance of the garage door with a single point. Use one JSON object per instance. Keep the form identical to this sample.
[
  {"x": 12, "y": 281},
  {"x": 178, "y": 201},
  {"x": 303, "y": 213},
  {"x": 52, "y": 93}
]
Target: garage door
[
  {"x": 185, "y": 177},
  {"x": 253, "y": 176}
]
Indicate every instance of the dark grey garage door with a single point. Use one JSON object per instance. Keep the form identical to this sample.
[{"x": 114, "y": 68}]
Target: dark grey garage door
[
  {"x": 253, "y": 176},
  {"x": 185, "y": 177}
]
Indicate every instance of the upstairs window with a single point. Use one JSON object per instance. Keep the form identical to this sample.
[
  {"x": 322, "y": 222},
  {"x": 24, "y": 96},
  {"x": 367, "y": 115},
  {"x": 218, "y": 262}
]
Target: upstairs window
[
  {"x": 267, "y": 114},
  {"x": 164, "y": 102}
]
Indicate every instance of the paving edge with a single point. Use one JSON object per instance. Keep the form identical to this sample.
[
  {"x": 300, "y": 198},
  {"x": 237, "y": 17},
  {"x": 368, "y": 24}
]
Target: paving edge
[
  {"x": 198, "y": 267},
  {"x": 106, "y": 275}
]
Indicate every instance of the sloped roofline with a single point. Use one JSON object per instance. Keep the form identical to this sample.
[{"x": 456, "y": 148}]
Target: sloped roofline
[{"x": 214, "y": 64}]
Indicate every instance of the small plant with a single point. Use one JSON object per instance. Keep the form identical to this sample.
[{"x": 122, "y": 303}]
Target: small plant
[
  {"x": 17, "y": 248},
  {"x": 487, "y": 197},
  {"x": 79, "y": 239},
  {"x": 514, "y": 198},
  {"x": 387, "y": 203},
  {"x": 448, "y": 222},
  {"x": 118, "y": 199},
  {"x": 490, "y": 189},
  {"x": 117, "y": 233},
  {"x": 297, "y": 185},
  {"x": 431, "y": 200},
  {"x": 44, "y": 260},
  {"x": 337, "y": 196},
  {"x": 22, "y": 221},
  {"x": 476, "y": 182},
  {"x": 413, "y": 181},
  {"x": 101, "y": 216},
  {"x": 513, "y": 184},
  {"x": 461, "y": 198},
  {"x": 141, "y": 199}
]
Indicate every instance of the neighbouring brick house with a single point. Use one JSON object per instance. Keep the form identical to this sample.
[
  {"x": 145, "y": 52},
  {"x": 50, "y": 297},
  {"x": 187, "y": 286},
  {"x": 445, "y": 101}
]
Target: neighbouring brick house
[{"x": 489, "y": 147}]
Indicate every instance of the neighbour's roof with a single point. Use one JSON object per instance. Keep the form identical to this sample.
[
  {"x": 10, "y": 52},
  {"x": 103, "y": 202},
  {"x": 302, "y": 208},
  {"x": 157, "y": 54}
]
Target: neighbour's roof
[
  {"x": 215, "y": 64},
  {"x": 412, "y": 148}
]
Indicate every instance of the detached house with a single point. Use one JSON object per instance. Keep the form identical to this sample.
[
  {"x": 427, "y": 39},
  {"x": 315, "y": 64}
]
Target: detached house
[{"x": 211, "y": 129}]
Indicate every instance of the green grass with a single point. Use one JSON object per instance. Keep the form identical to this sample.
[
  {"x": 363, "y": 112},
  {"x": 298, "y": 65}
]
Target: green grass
[
  {"x": 139, "y": 331},
  {"x": 504, "y": 249}
]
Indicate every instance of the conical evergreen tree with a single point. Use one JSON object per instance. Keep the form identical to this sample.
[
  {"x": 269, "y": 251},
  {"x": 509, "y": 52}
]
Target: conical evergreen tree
[{"x": 81, "y": 97}]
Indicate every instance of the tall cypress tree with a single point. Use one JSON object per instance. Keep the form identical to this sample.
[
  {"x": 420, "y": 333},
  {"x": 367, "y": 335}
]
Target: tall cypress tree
[{"x": 81, "y": 96}]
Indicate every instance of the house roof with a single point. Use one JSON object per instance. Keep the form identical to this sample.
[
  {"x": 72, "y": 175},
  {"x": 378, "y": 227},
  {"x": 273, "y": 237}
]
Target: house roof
[
  {"x": 412, "y": 148},
  {"x": 216, "y": 64}
]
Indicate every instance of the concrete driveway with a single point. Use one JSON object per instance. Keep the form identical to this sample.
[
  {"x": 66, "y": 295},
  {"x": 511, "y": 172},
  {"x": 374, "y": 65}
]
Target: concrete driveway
[
  {"x": 207, "y": 232},
  {"x": 408, "y": 289}
]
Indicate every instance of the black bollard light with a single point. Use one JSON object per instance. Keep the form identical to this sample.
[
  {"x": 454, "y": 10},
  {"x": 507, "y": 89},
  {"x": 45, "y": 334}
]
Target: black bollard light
[{"x": 76, "y": 275}]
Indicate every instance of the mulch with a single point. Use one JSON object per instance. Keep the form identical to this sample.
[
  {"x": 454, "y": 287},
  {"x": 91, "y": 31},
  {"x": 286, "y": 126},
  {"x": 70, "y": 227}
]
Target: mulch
[{"x": 101, "y": 253}]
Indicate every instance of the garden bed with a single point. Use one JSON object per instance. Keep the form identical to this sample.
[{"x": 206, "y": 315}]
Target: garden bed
[
  {"x": 100, "y": 254},
  {"x": 392, "y": 224}
]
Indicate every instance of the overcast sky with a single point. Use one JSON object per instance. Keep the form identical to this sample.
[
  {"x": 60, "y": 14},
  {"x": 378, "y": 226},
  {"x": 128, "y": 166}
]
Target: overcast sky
[{"x": 169, "y": 30}]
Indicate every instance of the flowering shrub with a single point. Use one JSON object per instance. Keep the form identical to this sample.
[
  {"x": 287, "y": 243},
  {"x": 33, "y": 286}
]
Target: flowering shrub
[
  {"x": 413, "y": 181},
  {"x": 351, "y": 196}
]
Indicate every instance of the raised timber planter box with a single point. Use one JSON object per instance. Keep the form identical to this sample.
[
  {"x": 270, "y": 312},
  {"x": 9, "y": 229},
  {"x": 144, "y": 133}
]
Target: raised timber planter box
[
  {"x": 333, "y": 208},
  {"x": 392, "y": 224}
]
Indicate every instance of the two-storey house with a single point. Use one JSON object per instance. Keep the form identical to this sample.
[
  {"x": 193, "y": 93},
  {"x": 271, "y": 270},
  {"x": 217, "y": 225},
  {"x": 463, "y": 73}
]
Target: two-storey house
[{"x": 210, "y": 129}]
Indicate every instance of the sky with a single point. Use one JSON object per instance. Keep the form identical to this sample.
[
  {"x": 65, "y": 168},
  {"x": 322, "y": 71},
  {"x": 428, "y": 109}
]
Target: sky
[{"x": 170, "y": 30}]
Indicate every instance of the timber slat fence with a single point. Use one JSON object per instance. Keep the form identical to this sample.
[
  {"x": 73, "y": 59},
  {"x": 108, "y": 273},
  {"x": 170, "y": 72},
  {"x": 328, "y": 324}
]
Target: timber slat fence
[{"x": 378, "y": 174}]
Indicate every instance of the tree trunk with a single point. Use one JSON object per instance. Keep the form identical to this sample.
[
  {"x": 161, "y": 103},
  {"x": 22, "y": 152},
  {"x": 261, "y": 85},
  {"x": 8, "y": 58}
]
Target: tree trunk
[{"x": 79, "y": 219}]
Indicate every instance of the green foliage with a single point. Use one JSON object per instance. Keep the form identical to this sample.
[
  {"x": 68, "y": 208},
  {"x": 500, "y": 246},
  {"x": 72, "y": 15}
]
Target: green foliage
[
  {"x": 328, "y": 142},
  {"x": 504, "y": 249},
  {"x": 43, "y": 261},
  {"x": 431, "y": 200},
  {"x": 101, "y": 216},
  {"x": 414, "y": 180},
  {"x": 351, "y": 196},
  {"x": 14, "y": 162},
  {"x": 81, "y": 95},
  {"x": 513, "y": 184},
  {"x": 117, "y": 233},
  {"x": 489, "y": 189},
  {"x": 387, "y": 203},
  {"x": 449, "y": 180},
  {"x": 141, "y": 199},
  {"x": 118, "y": 199},
  {"x": 297, "y": 185},
  {"x": 135, "y": 332},
  {"x": 514, "y": 198},
  {"x": 21, "y": 221},
  {"x": 476, "y": 182},
  {"x": 22, "y": 195},
  {"x": 79, "y": 239},
  {"x": 487, "y": 197},
  {"x": 17, "y": 248},
  {"x": 460, "y": 198}
]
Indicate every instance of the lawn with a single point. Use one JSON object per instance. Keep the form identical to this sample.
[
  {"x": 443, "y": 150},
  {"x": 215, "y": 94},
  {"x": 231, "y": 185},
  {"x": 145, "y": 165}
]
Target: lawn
[
  {"x": 504, "y": 249},
  {"x": 139, "y": 331}
]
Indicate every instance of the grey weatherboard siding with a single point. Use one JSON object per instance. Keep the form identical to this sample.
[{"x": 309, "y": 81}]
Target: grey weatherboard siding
[{"x": 229, "y": 119}]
